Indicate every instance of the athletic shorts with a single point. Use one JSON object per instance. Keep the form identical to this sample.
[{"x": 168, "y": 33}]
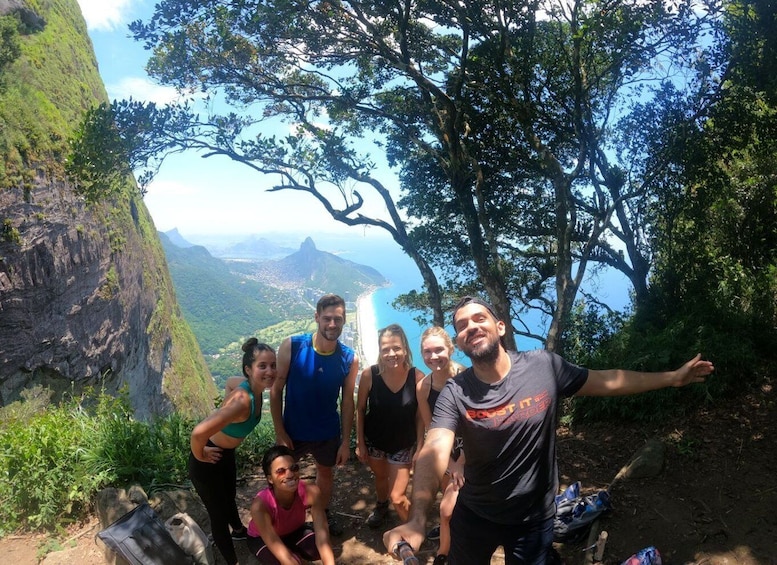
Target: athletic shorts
[
  {"x": 401, "y": 457},
  {"x": 324, "y": 452}
]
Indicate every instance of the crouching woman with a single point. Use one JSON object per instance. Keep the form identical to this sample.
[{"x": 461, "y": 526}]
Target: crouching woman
[{"x": 277, "y": 532}]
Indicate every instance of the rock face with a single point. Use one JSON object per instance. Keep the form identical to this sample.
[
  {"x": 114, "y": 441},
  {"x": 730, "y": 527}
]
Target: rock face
[{"x": 85, "y": 295}]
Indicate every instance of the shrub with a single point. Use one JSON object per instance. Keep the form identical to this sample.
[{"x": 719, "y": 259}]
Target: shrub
[
  {"x": 43, "y": 480},
  {"x": 54, "y": 458}
]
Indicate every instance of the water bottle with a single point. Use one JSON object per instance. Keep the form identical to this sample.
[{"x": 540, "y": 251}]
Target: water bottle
[{"x": 404, "y": 553}]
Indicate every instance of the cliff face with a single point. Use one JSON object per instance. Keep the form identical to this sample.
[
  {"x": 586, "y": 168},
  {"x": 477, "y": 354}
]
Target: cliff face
[{"x": 85, "y": 295}]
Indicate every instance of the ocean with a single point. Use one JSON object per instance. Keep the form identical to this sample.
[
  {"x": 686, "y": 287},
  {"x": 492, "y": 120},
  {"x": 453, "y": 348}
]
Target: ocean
[
  {"x": 383, "y": 254},
  {"x": 386, "y": 257}
]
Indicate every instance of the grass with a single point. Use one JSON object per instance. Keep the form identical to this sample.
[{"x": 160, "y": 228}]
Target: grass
[{"x": 54, "y": 459}]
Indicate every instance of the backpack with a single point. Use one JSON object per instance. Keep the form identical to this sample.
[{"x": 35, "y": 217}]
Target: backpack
[
  {"x": 141, "y": 538},
  {"x": 647, "y": 556},
  {"x": 576, "y": 513}
]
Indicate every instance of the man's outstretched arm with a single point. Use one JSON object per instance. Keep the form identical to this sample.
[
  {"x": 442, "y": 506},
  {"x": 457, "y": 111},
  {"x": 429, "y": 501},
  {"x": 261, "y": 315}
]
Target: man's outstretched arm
[{"x": 619, "y": 382}]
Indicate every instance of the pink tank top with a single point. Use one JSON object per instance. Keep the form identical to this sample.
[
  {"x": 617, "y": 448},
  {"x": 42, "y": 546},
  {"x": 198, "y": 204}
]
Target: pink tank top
[{"x": 283, "y": 521}]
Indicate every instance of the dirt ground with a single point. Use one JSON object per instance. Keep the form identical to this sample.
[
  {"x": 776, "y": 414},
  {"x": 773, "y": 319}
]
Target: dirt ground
[{"x": 713, "y": 504}]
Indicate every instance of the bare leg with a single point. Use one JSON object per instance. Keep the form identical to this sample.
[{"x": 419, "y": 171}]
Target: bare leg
[
  {"x": 399, "y": 477},
  {"x": 324, "y": 481},
  {"x": 380, "y": 468},
  {"x": 447, "y": 504}
]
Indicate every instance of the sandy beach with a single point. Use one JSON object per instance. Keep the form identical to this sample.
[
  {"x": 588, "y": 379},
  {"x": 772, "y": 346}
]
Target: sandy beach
[{"x": 368, "y": 330}]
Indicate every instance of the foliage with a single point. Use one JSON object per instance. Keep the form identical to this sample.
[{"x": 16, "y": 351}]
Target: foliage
[
  {"x": 652, "y": 340},
  {"x": 249, "y": 454},
  {"x": 713, "y": 217},
  {"x": 125, "y": 451},
  {"x": 98, "y": 162},
  {"x": 53, "y": 459},
  {"x": 44, "y": 480},
  {"x": 38, "y": 109},
  {"x": 9, "y": 232},
  {"x": 221, "y": 306},
  {"x": 10, "y": 48},
  {"x": 226, "y": 362},
  {"x": 593, "y": 328},
  {"x": 434, "y": 86}
]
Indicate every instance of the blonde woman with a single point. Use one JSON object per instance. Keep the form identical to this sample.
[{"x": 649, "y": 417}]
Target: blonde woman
[
  {"x": 388, "y": 422},
  {"x": 437, "y": 349}
]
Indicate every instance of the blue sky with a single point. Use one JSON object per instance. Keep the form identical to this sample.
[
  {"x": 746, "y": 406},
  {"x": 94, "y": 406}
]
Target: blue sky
[{"x": 198, "y": 196}]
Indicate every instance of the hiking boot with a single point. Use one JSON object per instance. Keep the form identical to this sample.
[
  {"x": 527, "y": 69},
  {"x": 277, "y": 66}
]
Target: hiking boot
[
  {"x": 440, "y": 560},
  {"x": 434, "y": 534},
  {"x": 335, "y": 529},
  {"x": 240, "y": 535},
  {"x": 378, "y": 516}
]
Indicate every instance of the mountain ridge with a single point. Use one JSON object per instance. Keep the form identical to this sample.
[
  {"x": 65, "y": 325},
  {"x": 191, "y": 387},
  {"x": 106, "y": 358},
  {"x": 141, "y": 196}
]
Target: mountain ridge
[{"x": 254, "y": 294}]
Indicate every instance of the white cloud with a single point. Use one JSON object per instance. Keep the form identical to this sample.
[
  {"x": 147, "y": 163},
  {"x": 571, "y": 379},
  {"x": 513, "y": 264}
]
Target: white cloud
[
  {"x": 142, "y": 89},
  {"x": 105, "y": 15}
]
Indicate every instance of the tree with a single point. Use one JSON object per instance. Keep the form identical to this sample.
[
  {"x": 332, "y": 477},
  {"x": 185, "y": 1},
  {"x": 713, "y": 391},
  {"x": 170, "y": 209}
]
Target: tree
[
  {"x": 718, "y": 246},
  {"x": 423, "y": 81}
]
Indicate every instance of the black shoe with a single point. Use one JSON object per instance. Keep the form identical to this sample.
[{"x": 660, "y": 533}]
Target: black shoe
[
  {"x": 434, "y": 534},
  {"x": 239, "y": 535},
  {"x": 440, "y": 560},
  {"x": 378, "y": 516},
  {"x": 335, "y": 529}
]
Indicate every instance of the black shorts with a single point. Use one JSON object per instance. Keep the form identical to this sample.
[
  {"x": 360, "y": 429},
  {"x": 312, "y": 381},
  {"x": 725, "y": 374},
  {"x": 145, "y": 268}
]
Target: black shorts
[{"x": 324, "y": 452}]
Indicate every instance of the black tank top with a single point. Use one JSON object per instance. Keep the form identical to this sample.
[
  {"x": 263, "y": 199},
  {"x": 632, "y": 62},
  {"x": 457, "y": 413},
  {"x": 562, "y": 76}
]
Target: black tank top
[{"x": 389, "y": 424}]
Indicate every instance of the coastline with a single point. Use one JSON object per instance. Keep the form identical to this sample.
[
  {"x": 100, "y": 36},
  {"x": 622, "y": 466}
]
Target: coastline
[{"x": 367, "y": 328}]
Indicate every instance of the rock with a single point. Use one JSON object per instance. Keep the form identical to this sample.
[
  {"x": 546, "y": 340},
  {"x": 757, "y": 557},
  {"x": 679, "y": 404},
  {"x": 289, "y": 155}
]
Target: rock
[
  {"x": 170, "y": 502},
  {"x": 86, "y": 298},
  {"x": 113, "y": 503},
  {"x": 647, "y": 462}
]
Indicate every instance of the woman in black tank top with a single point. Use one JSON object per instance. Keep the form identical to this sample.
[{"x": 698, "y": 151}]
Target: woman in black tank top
[{"x": 388, "y": 424}]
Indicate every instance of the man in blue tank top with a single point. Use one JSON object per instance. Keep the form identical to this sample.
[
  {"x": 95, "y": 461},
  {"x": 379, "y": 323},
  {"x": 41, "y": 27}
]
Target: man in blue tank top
[
  {"x": 504, "y": 408},
  {"x": 314, "y": 369}
]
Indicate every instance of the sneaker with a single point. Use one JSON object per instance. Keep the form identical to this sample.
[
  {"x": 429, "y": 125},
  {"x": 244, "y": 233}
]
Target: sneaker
[
  {"x": 440, "y": 560},
  {"x": 378, "y": 516},
  {"x": 240, "y": 535},
  {"x": 434, "y": 534},
  {"x": 335, "y": 528}
]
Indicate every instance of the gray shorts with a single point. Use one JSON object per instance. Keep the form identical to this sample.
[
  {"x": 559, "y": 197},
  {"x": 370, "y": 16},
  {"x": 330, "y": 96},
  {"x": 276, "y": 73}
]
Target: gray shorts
[
  {"x": 401, "y": 457},
  {"x": 324, "y": 452}
]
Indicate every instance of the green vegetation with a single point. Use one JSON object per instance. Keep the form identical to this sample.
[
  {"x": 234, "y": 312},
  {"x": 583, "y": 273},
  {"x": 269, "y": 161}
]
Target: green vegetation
[
  {"x": 226, "y": 363},
  {"x": 221, "y": 307},
  {"x": 53, "y": 459},
  {"x": 9, "y": 233},
  {"x": 38, "y": 108}
]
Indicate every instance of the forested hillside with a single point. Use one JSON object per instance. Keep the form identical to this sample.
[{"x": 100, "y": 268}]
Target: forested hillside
[
  {"x": 225, "y": 301},
  {"x": 221, "y": 306}
]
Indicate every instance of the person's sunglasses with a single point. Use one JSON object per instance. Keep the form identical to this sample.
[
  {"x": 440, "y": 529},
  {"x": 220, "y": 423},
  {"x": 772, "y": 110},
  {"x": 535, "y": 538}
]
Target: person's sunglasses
[{"x": 282, "y": 471}]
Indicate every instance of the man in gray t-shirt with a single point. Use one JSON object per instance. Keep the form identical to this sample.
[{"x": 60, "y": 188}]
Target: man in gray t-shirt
[
  {"x": 515, "y": 418},
  {"x": 504, "y": 408}
]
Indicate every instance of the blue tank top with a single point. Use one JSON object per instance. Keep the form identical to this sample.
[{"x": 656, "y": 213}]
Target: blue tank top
[
  {"x": 242, "y": 429},
  {"x": 313, "y": 390}
]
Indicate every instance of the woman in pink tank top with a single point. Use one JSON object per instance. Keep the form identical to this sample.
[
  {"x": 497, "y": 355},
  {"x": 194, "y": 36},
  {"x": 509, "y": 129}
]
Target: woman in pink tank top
[{"x": 278, "y": 532}]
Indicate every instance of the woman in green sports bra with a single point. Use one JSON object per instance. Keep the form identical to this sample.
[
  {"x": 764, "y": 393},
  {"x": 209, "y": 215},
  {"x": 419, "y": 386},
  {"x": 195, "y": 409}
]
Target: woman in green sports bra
[{"x": 212, "y": 467}]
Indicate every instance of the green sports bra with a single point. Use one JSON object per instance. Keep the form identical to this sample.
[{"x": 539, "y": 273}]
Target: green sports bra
[{"x": 242, "y": 429}]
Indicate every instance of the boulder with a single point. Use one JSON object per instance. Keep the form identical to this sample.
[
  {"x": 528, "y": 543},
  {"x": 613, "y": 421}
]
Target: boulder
[
  {"x": 113, "y": 503},
  {"x": 647, "y": 462}
]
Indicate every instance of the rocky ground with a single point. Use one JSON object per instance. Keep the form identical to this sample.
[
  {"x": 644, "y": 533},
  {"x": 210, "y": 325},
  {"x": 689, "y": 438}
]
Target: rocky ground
[{"x": 713, "y": 504}]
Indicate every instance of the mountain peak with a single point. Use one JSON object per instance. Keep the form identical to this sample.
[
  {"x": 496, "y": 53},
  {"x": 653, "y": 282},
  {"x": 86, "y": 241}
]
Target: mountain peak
[{"x": 307, "y": 245}]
